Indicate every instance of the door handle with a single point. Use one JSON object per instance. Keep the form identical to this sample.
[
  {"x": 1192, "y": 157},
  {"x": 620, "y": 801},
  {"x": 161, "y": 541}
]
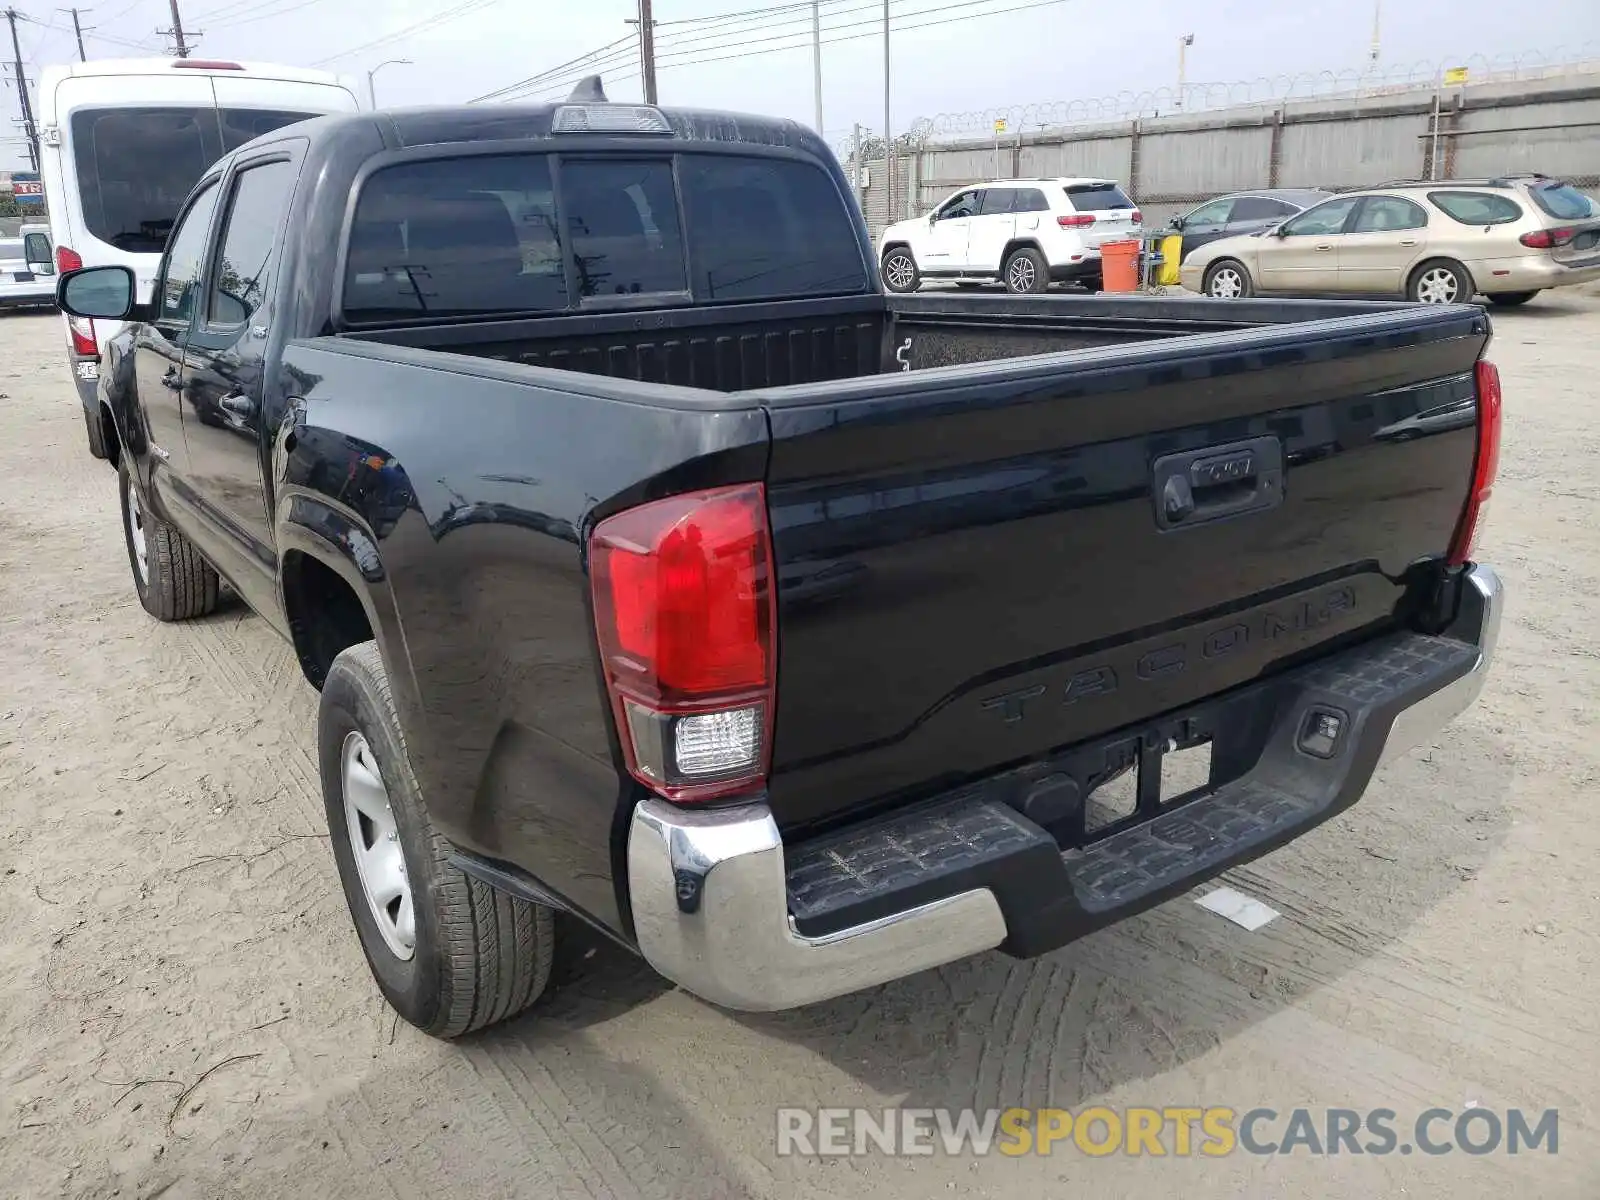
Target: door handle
[
  {"x": 1324, "y": 246},
  {"x": 172, "y": 380},
  {"x": 236, "y": 405},
  {"x": 1196, "y": 486},
  {"x": 1409, "y": 242}
]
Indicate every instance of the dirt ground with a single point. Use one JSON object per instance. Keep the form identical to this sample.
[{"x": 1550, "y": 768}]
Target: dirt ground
[{"x": 184, "y": 1010}]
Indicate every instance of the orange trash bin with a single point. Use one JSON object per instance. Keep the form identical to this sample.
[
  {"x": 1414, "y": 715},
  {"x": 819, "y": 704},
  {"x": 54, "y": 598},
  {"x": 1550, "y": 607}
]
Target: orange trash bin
[{"x": 1119, "y": 266}]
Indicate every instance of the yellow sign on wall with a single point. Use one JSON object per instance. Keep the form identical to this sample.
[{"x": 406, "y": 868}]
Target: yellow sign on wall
[
  {"x": 1000, "y": 125},
  {"x": 1455, "y": 75}
]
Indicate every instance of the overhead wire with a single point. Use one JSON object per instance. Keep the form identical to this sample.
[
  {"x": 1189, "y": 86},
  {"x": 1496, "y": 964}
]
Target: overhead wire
[{"x": 467, "y": 8}]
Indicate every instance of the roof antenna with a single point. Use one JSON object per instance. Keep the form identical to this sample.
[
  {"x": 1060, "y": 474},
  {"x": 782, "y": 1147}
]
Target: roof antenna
[{"x": 588, "y": 91}]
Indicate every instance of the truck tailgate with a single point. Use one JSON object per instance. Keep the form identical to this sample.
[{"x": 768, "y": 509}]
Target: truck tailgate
[{"x": 980, "y": 564}]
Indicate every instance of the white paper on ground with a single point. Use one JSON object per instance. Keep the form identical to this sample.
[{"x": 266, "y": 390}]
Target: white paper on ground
[{"x": 1242, "y": 910}]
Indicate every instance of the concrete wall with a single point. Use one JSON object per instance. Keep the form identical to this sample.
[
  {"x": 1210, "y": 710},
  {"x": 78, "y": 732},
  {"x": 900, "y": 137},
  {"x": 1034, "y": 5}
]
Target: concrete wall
[{"x": 1170, "y": 164}]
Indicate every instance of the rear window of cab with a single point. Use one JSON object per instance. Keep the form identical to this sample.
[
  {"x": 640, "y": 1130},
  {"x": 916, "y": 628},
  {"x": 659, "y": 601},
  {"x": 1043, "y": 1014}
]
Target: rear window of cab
[{"x": 503, "y": 234}]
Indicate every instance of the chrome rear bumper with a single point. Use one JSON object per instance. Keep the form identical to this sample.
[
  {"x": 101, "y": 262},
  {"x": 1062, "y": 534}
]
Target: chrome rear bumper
[{"x": 710, "y": 893}]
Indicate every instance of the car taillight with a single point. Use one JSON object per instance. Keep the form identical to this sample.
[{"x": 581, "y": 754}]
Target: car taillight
[
  {"x": 685, "y": 613},
  {"x": 1490, "y": 406},
  {"x": 68, "y": 259},
  {"x": 1137, "y": 216},
  {"x": 82, "y": 331},
  {"x": 1544, "y": 239},
  {"x": 1075, "y": 221}
]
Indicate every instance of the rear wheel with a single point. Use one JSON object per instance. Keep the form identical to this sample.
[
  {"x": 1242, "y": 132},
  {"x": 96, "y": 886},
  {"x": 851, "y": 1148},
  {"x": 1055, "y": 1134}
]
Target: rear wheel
[
  {"x": 450, "y": 953},
  {"x": 1026, "y": 272},
  {"x": 1512, "y": 299},
  {"x": 1228, "y": 280},
  {"x": 900, "y": 272},
  {"x": 173, "y": 581},
  {"x": 1440, "y": 282}
]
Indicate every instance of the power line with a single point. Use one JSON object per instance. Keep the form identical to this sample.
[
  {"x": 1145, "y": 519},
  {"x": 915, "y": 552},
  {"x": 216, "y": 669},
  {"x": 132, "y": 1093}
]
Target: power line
[
  {"x": 248, "y": 16},
  {"x": 433, "y": 22},
  {"x": 682, "y": 56},
  {"x": 583, "y": 60}
]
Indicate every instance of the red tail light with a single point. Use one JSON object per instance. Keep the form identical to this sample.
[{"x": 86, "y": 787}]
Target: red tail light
[
  {"x": 1490, "y": 406},
  {"x": 1137, "y": 216},
  {"x": 82, "y": 331},
  {"x": 1544, "y": 239},
  {"x": 68, "y": 259},
  {"x": 685, "y": 613},
  {"x": 1075, "y": 221}
]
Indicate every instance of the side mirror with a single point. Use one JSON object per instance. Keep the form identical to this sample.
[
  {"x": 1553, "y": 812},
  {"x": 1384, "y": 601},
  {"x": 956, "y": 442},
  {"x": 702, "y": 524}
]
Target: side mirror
[
  {"x": 42, "y": 268},
  {"x": 1176, "y": 222},
  {"x": 104, "y": 292},
  {"x": 1281, "y": 231}
]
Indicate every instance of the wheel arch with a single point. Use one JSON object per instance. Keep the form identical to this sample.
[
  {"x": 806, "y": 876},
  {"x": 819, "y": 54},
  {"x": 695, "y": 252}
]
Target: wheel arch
[{"x": 1444, "y": 260}]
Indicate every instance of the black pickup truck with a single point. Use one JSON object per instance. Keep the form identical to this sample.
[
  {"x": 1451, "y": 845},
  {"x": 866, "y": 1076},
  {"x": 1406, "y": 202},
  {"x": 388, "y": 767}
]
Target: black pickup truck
[{"x": 654, "y": 566}]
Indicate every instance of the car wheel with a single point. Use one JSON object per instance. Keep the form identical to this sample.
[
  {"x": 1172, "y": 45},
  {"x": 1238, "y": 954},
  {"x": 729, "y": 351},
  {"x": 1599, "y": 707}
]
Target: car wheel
[
  {"x": 900, "y": 272},
  {"x": 1512, "y": 299},
  {"x": 1440, "y": 282},
  {"x": 1026, "y": 272},
  {"x": 450, "y": 953},
  {"x": 173, "y": 581},
  {"x": 1228, "y": 280},
  {"x": 97, "y": 434}
]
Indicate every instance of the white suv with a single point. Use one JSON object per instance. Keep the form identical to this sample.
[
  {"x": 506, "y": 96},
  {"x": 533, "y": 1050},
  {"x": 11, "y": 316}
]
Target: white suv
[{"x": 1027, "y": 233}]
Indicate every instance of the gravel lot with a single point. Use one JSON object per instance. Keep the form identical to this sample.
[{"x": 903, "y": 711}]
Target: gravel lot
[{"x": 169, "y": 906}]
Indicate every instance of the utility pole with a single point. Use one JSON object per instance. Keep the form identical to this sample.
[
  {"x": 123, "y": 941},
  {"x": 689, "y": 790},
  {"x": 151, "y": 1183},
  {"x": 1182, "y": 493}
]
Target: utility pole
[
  {"x": 856, "y": 168},
  {"x": 647, "y": 50},
  {"x": 888, "y": 133},
  {"x": 28, "y": 128},
  {"x": 176, "y": 32},
  {"x": 77, "y": 29},
  {"x": 1184, "y": 43},
  {"x": 372, "y": 88},
  {"x": 816, "y": 58}
]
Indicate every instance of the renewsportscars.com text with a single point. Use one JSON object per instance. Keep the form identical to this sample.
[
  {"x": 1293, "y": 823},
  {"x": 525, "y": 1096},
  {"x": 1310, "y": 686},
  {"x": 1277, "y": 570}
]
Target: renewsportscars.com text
[{"x": 1176, "y": 1131}]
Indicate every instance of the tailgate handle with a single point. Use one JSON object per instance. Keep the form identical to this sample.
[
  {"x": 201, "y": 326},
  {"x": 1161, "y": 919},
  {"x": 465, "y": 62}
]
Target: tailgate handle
[{"x": 1215, "y": 482}]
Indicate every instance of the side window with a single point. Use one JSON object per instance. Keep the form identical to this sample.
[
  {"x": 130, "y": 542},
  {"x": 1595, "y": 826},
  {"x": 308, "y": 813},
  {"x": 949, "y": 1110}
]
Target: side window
[
  {"x": 1380, "y": 214},
  {"x": 249, "y": 242},
  {"x": 1215, "y": 213},
  {"x": 1030, "y": 200},
  {"x": 1258, "y": 208},
  {"x": 1477, "y": 208},
  {"x": 964, "y": 205},
  {"x": 185, "y": 256},
  {"x": 1324, "y": 219},
  {"x": 622, "y": 218},
  {"x": 997, "y": 202}
]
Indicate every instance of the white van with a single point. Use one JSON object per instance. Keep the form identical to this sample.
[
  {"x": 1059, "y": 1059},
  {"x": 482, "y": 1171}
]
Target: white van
[{"x": 123, "y": 141}]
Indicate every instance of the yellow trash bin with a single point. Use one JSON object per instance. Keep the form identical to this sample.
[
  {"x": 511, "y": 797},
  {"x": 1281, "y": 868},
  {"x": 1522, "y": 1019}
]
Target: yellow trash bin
[{"x": 1171, "y": 259}]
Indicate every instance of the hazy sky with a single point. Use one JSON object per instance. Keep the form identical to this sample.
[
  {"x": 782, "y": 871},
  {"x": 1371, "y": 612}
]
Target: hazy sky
[{"x": 1065, "y": 50}]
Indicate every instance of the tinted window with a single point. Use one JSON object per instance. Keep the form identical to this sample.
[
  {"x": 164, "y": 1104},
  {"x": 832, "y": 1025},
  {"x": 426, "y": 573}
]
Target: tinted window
[
  {"x": 1215, "y": 213},
  {"x": 1323, "y": 219},
  {"x": 1477, "y": 208},
  {"x": 182, "y": 279},
  {"x": 1098, "y": 197},
  {"x": 249, "y": 244},
  {"x": 1029, "y": 200},
  {"x": 456, "y": 237},
  {"x": 622, "y": 218},
  {"x": 996, "y": 202},
  {"x": 136, "y": 165},
  {"x": 964, "y": 205},
  {"x": 1382, "y": 213},
  {"x": 1260, "y": 208},
  {"x": 1563, "y": 201},
  {"x": 760, "y": 227}
]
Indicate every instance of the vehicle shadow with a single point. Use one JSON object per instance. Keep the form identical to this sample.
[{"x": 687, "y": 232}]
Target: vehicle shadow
[{"x": 1154, "y": 992}]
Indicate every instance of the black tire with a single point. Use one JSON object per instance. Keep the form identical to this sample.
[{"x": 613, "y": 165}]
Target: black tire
[
  {"x": 899, "y": 270},
  {"x": 480, "y": 955},
  {"x": 1512, "y": 299},
  {"x": 1423, "y": 283},
  {"x": 1026, "y": 273},
  {"x": 1215, "y": 273},
  {"x": 97, "y": 434},
  {"x": 176, "y": 583}
]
